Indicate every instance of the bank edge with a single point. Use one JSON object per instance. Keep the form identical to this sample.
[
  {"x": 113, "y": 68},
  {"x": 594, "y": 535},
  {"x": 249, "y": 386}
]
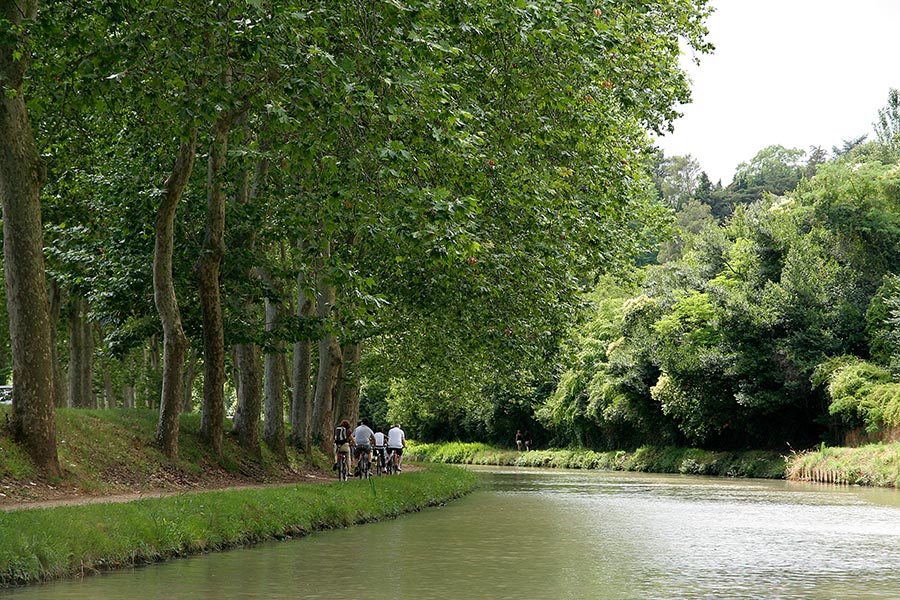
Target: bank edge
[
  {"x": 871, "y": 465},
  {"x": 52, "y": 543}
]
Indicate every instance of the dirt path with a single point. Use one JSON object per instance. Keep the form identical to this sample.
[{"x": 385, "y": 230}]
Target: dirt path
[{"x": 9, "y": 505}]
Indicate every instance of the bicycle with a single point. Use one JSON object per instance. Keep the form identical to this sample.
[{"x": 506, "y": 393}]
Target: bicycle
[
  {"x": 343, "y": 469},
  {"x": 392, "y": 466},
  {"x": 364, "y": 465},
  {"x": 380, "y": 462}
]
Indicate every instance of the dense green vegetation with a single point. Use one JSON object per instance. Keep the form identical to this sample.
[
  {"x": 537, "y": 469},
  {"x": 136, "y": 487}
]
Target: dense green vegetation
[
  {"x": 406, "y": 197},
  {"x": 773, "y": 328},
  {"x": 274, "y": 214},
  {"x": 37, "y": 545},
  {"x": 687, "y": 461},
  {"x": 872, "y": 465}
]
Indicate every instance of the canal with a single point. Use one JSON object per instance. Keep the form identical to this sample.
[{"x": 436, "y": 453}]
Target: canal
[{"x": 554, "y": 534}]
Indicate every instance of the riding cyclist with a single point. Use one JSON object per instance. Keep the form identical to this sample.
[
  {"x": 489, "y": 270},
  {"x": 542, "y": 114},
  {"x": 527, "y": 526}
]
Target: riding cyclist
[
  {"x": 363, "y": 436},
  {"x": 396, "y": 443},
  {"x": 379, "y": 445},
  {"x": 342, "y": 442}
]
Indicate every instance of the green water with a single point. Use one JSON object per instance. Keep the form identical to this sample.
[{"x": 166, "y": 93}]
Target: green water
[{"x": 548, "y": 534}]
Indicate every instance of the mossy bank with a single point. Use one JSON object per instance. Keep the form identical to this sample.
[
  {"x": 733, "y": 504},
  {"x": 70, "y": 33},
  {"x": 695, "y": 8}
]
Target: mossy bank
[
  {"x": 647, "y": 459},
  {"x": 43, "y": 544},
  {"x": 871, "y": 465}
]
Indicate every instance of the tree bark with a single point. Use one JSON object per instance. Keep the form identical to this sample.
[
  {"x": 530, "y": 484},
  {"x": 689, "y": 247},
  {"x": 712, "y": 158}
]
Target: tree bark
[
  {"x": 190, "y": 374},
  {"x": 109, "y": 396},
  {"x": 155, "y": 377},
  {"x": 175, "y": 342},
  {"x": 329, "y": 365},
  {"x": 246, "y": 415},
  {"x": 59, "y": 390},
  {"x": 81, "y": 353},
  {"x": 21, "y": 178},
  {"x": 250, "y": 391},
  {"x": 301, "y": 396},
  {"x": 349, "y": 382},
  {"x": 128, "y": 395},
  {"x": 273, "y": 425},
  {"x": 212, "y": 420}
]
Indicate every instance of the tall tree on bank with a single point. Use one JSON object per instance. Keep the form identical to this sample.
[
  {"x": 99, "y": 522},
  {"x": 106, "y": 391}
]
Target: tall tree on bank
[
  {"x": 21, "y": 179},
  {"x": 175, "y": 342}
]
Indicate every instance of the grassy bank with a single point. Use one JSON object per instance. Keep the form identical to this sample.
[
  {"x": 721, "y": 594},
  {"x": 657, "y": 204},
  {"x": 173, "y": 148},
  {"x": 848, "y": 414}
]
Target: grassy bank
[
  {"x": 43, "y": 544},
  {"x": 111, "y": 451},
  {"x": 692, "y": 461},
  {"x": 873, "y": 465}
]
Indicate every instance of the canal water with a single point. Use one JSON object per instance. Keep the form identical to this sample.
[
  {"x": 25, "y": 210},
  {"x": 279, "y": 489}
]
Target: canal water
[{"x": 553, "y": 534}]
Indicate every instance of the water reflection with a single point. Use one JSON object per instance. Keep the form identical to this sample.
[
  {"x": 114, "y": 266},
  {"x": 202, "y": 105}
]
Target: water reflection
[{"x": 560, "y": 535}]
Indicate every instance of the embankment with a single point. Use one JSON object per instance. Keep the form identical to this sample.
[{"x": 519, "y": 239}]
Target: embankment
[
  {"x": 649, "y": 459},
  {"x": 871, "y": 465},
  {"x": 43, "y": 544}
]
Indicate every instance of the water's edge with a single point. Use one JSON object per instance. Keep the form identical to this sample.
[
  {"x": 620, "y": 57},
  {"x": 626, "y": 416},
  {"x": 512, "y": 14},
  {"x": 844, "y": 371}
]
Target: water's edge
[
  {"x": 39, "y": 545},
  {"x": 876, "y": 465}
]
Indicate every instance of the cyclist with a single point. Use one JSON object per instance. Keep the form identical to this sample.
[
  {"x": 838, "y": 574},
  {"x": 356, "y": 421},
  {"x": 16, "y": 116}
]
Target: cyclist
[
  {"x": 379, "y": 445},
  {"x": 342, "y": 442},
  {"x": 362, "y": 436},
  {"x": 396, "y": 443}
]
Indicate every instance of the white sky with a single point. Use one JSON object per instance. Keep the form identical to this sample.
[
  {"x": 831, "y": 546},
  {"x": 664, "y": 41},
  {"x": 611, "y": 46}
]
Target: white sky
[{"x": 798, "y": 73}]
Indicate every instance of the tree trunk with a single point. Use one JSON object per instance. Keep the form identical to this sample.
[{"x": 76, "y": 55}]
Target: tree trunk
[
  {"x": 329, "y": 365},
  {"x": 59, "y": 390},
  {"x": 246, "y": 415},
  {"x": 212, "y": 420},
  {"x": 273, "y": 427},
  {"x": 128, "y": 395},
  {"x": 175, "y": 342},
  {"x": 109, "y": 396},
  {"x": 301, "y": 397},
  {"x": 190, "y": 374},
  {"x": 349, "y": 383},
  {"x": 80, "y": 355},
  {"x": 155, "y": 377},
  {"x": 250, "y": 392},
  {"x": 21, "y": 178},
  {"x": 87, "y": 360}
]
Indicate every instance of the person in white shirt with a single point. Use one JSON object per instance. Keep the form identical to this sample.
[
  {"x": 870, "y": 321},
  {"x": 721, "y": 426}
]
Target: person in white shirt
[
  {"x": 397, "y": 442},
  {"x": 380, "y": 439},
  {"x": 363, "y": 436}
]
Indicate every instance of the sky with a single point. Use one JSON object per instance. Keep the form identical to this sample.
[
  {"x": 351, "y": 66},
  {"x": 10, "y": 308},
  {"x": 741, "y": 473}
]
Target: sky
[{"x": 798, "y": 73}]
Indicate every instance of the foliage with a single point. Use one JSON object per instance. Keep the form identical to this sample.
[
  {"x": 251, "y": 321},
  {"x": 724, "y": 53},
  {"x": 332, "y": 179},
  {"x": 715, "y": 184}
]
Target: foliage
[
  {"x": 720, "y": 344},
  {"x": 887, "y": 127},
  {"x": 653, "y": 459},
  {"x": 861, "y": 393}
]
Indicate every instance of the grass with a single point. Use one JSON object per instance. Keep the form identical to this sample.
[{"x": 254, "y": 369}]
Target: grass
[
  {"x": 872, "y": 465},
  {"x": 43, "y": 544},
  {"x": 648, "y": 459},
  {"x": 108, "y": 451}
]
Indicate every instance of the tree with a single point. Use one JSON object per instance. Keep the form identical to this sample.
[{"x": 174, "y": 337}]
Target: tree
[
  {"x": 175, "y": 341},
  {"x": 887, "y": 127},
  {"x": 679, "y": 179},
  {"x": 21, "y": 179},
  {"x": 775, "y": 169}
]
